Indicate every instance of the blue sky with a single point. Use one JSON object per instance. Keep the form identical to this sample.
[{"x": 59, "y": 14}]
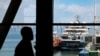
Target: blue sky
[
  {"x": 66, "y": 10},
  {"x": 25, "y": 14}
]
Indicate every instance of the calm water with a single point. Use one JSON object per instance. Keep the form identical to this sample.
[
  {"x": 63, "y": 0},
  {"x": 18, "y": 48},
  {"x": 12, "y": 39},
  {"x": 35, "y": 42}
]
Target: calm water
[
  {"x": 10, "y": 43},
  {"x": 66, "y": 53}
]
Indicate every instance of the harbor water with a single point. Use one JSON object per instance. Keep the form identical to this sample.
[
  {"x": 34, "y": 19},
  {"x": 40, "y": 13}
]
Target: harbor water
[
  {"x": 12, "y": 40},
  {"x": 66, "y": 53}
]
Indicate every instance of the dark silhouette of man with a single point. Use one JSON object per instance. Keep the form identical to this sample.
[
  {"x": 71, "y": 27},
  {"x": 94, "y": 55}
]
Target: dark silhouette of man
[{"x": 24, "y": 48}]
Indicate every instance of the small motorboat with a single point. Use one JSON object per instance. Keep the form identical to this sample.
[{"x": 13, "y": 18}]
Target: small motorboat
[{"x": 56, "y": 40}]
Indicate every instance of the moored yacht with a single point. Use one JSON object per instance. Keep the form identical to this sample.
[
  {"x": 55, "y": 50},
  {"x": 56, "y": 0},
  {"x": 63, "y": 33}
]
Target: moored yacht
[{"x": 73, "y": 36}]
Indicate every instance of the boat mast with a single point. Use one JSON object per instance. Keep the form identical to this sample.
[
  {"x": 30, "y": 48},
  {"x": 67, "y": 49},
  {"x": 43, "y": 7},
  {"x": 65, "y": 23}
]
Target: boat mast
[{"x": 94, "y": 18}]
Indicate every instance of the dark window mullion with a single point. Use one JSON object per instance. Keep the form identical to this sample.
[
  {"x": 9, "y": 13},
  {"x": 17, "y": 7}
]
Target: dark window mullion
[
  {"x": 18, "y": 24},
  {"x": 8, "y": 19},
  {"x": 44, "y": 28},
  {"x": 76, "y": 24}
]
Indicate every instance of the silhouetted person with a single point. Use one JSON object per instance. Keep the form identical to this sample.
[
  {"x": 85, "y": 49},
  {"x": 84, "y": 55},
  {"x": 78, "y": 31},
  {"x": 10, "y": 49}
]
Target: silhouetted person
[{"x": 24, "y": 48}]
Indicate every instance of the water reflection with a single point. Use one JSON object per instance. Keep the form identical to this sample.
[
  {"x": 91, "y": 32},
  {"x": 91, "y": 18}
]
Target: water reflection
[{"x": 65, "y": 53}]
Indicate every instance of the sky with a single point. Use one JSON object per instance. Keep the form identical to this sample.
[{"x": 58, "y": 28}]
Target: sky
[
  {"x": 63, "y": 11},
  {"x": 66, "y": 10},
  {"x": 25, "y": 14}
]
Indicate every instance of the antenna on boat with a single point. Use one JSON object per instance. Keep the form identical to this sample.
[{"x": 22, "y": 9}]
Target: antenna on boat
[{"x": 77, "y": 18}]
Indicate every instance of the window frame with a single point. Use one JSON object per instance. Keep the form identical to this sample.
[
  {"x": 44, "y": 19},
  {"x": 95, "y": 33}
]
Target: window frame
[{"x": 9, "y": 18}]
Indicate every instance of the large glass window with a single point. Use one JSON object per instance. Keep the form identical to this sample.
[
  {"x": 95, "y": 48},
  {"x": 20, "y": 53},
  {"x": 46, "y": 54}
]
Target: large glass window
[
  {"x": 67, "y": 10},
  {"x": 13, "y": 38},
  {"x": 26, "y": 15},
  {"x": 69, "y": 36},
  {"x": 26, "y": 12},
  {"x": 3, "y": 8},
  {"x": 74, "y": 26}
]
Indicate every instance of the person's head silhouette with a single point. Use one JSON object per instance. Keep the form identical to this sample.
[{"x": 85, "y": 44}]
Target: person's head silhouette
[
  {"x": 25, "y": 45},
  {"x": 27, "y": 33}
]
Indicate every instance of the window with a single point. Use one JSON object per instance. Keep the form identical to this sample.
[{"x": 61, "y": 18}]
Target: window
[
  {"x": 3, "y": 7},
  {"x": 26, "y": 12},
  {"x": 25, "y": 16},
  {"x": 75, "y": 20},
  {"x": 66, "y": 11}
]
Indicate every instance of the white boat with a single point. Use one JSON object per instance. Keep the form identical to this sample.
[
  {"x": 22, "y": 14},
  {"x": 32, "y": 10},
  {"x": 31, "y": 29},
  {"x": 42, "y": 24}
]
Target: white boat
[{"x": 74, "y": 35}]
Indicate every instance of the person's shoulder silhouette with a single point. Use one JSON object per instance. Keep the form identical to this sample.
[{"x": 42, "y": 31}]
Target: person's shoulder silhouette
[{"x": 25, "y": 47}]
